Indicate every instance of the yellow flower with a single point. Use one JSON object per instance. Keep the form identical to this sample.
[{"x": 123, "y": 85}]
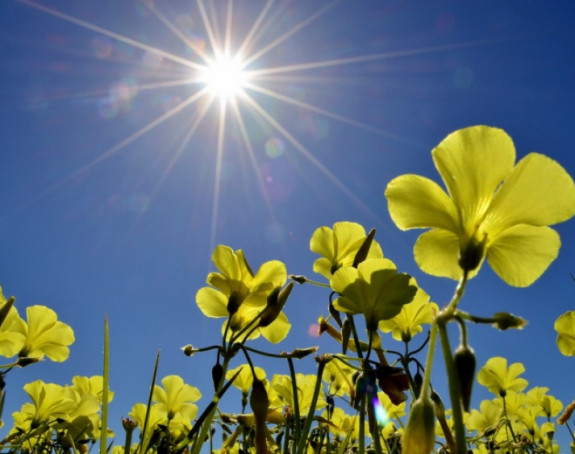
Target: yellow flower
[
  {"x": 565, "y": 327},
  {"x": 45, "y": 335},
  {"x": 339, "y": 246},
  {"x": 176, "y": 398},
  {"x": 339, "y": 377},
  {"x": 374, "y": 289},
  {"x": 281, "y": 393},
  {"x": 245, "y": 378},
  {"x": 49, "y": 403},
  {"x": 491, "y": 209},
  {"x": 240, "y": 295},
  {"x": 408, "y": 322},
  {"x": 12, "y": 330},
  {"x": 486, "y": 418},
  {"x": 499, "y": 379}
]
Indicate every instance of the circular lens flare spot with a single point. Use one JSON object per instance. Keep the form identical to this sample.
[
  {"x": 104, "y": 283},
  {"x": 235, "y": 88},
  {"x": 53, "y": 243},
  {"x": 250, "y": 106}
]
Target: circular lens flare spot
[{"x": 224, "y": 77}]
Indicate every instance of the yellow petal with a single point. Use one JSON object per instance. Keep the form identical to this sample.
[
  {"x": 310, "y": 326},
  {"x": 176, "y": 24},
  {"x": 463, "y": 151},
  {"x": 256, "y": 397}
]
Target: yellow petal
[
  {"x": 520, "y": 254},
  {"x": 211, "y": 302},
  {"x": 565, "y": 327},
  {"x": 473, "y": 162},
  {"x": 418, "y": 202},
  {"x": 227, "y": 262},
  {"x": 271, "y": 274},
  {"x": 278, "y": 330},
  {"x": 538, "y": 192},
  {"x": 436, "y": 252}
]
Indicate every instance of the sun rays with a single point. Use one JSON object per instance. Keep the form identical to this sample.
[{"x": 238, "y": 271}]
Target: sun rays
[{"x": 225, "y": 78}]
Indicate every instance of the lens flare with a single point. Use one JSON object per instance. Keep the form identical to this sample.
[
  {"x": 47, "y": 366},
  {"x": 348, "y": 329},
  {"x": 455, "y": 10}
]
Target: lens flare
[{"x": 380, "y": 413}]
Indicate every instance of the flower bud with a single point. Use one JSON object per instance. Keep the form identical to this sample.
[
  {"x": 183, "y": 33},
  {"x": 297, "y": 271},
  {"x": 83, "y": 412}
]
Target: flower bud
[
  {"x": 505, "y": 320},
  {"x": 275, "y": 303},
  {"x": 345, "y": 333},
  {"x": 259, "y": 402},
  {"x": 363, "y": 250},
  {"x": 217, "y": 373},
  {"x": 188, "y": 350},
  {"x": 464, "y": 361},
  {"x": 419, "y": 435}
]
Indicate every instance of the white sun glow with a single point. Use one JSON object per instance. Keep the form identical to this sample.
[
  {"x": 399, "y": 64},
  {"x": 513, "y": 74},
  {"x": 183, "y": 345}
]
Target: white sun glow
[
  {"x": 219, "y": 73},
  {"x": 224, "y": 77}
]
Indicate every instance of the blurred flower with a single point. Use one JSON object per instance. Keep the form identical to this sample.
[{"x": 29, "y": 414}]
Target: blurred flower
[
  {"x": 487, "y": 417},
  {"x": 339, "y": 246},
  {"x": 45, "y": 335},
  {"x": 565, "y": 327},
  {"x": 499, "y": 379},
  {"x": 338, "y": 376},
  {"x": 240, "y": 295},
  {"x": 492, "y": 208},
  {"x": 281, "y": 393},
  {"x": 408, "y": 322},
  {"x": 373, "y": 289}
]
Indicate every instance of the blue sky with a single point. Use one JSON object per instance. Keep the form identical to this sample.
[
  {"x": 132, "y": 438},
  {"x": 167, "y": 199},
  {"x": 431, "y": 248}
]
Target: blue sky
[{"x": 110, "y": 206}]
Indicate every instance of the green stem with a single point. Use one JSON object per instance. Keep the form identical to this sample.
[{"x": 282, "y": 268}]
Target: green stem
[
  {"x": 297, "y": 417},
  {"x": 362, "y": 424},
  {"x": 454, "y": 389},
  {"x": 425, "y": 387},
  {"x": 305, "y": 433},
  {"x": 208, "y": 421},
  {"x": 374, "y": 426}
]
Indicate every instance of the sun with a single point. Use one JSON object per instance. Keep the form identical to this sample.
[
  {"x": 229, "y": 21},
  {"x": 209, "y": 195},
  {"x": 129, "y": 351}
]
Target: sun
[{"x": 224, "y": 77}]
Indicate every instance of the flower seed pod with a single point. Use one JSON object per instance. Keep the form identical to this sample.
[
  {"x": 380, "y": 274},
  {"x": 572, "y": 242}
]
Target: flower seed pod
[
  {"x": 464, "y": 361},
  {"x": 419, "y": 434}
]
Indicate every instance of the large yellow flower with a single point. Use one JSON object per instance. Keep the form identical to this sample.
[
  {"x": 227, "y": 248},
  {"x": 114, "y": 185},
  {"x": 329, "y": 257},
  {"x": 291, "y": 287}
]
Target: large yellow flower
[
  {"x": 239, "y": 294},
  {"x": 491, "y": 209}
]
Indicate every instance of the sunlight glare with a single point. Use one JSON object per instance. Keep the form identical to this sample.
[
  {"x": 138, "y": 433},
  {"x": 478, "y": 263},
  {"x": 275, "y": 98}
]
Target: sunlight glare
[{"x": 224, "y": 77}]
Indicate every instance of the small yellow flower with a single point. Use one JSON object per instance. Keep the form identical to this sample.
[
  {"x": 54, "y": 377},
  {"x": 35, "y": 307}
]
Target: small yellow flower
[
  {"x": 176, "y": 397},
  {"x": 374, "y": 289},
  {"x": 46, "y": 335},
  {"x": 281, "y": 392},
  {"x": 500, "y": 379},
  {"x": 408, "y": 322},
  {"x": 339, "y": 246},
  {"x": 240, "y": 295},
  {"x": 491, "y": 209},
  {"x": 245, "y": 378}
]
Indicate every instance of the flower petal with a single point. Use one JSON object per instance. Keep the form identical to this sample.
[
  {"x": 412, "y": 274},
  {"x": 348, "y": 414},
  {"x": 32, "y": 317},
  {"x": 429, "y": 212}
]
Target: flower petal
[
  {"x": 212, "y": 303},
  {"x": 227, "y": 262},
  {"x": 271, "y": 274},
  {"x": 565, "y": 327},
  {"x": 521, "y": 254},
  {"x": 538, "y": 192},
  {"x": 418, "y": 202},
  {"x": 437, "y": 252},
  {"x": 278, "y": 330},
  {"x": 473, "y": 162}
]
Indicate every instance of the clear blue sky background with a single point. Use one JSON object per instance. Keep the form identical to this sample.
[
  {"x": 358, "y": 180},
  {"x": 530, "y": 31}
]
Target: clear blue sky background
[{"x": 90, "y": 228}]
